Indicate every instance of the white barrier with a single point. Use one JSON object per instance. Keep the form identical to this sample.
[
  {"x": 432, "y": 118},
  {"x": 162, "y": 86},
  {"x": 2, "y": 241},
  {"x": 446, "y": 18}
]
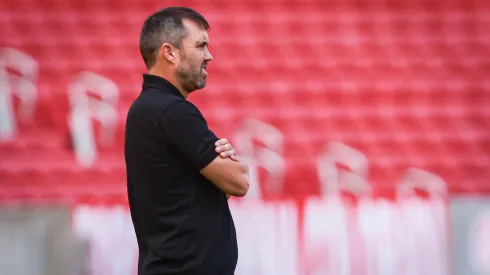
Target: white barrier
[{"x": 331, "y": 236}]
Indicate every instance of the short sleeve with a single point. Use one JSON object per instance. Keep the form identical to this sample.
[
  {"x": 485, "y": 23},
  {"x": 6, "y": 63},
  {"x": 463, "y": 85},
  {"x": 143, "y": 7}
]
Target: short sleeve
[{"x": 187, "y": 130}]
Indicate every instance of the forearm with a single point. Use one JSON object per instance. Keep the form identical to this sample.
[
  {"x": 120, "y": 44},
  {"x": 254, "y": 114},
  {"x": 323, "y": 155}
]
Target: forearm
[{"x": 229, "y": 176}]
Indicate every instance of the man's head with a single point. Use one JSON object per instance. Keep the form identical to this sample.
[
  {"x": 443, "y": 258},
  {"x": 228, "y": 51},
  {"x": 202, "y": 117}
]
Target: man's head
[{"x": 174, "y": 44}]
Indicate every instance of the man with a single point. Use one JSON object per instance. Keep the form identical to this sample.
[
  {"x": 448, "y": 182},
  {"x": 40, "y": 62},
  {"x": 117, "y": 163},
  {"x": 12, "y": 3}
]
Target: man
[{"x": 178, "y": 184}]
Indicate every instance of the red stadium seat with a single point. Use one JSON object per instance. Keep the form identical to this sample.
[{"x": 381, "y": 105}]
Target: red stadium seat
[{"x": 404, "y": 83}]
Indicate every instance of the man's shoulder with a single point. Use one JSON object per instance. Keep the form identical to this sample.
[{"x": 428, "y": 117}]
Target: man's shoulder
[
  {"x": 152, "y": 101},
  {"x": 181, "y": 107},
  {"x": 153, "y": 96}
]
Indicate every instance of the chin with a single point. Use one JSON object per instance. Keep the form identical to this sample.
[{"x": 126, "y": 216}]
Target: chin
[{"x": 201, "y": 85}]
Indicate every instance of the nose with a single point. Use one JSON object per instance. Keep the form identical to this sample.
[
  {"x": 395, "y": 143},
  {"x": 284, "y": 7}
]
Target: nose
[{"x": 208, "y": 57}]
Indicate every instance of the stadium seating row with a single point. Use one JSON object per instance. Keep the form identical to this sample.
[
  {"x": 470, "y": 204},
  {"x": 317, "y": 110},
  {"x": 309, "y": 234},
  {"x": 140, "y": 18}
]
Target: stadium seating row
[{"x": 365, "y": 91}]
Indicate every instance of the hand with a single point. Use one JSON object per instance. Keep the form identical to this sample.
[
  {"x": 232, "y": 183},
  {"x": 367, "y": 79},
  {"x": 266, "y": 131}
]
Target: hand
[{"x": 225, "y": 150}]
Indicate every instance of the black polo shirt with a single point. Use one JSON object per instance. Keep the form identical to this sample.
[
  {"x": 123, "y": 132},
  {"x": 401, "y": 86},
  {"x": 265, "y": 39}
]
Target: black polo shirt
[{"x": 182, "y": 221}]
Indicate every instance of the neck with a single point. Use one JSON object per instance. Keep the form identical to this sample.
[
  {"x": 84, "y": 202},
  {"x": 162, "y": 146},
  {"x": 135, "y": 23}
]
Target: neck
[{"x": 170, "y": 78}]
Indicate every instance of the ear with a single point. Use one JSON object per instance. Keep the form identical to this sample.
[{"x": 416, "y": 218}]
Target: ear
[{"x": 168, "y": 52}]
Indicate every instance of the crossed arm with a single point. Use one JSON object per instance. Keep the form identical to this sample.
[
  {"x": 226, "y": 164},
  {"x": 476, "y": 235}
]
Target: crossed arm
[
  {"x": 229, "y": 173},
  {"x": 214, "y": 158},
  {"x": 225, "y": 150}
]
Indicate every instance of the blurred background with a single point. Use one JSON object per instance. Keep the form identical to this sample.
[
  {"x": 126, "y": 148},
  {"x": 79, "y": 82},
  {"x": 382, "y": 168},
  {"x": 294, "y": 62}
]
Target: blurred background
[{"x": 366, "y": 123}]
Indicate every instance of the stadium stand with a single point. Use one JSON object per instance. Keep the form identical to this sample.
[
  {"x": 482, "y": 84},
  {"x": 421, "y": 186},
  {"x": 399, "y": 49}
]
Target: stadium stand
[{"x": 377, "y": 88}]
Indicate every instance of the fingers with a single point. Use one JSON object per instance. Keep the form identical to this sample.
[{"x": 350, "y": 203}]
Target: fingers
[
  {"x": 230, "y": 154},
  {"x": 222, "y": 141},
  {"x": 225, "y": 150}
]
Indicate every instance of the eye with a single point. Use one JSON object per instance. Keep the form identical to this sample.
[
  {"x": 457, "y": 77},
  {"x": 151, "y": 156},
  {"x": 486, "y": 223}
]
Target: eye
[{"x": 202, "y": 46}]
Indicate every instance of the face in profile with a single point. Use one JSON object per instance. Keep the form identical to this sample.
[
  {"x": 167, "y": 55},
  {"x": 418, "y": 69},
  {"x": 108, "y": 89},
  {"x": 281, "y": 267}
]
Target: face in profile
[{"x": 194, "y": 58}]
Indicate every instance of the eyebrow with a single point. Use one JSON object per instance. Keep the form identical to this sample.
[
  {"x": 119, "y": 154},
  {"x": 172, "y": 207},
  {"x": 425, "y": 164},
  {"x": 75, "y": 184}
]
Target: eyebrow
[{"x": 202, "y": 43}]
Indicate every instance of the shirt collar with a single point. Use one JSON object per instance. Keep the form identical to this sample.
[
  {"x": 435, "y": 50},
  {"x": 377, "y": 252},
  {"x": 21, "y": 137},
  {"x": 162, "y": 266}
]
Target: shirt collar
[{"x": 160, "y": 83}]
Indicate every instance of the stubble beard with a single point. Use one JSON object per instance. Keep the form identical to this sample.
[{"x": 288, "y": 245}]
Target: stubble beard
[{"x": 190, "y": 79}]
